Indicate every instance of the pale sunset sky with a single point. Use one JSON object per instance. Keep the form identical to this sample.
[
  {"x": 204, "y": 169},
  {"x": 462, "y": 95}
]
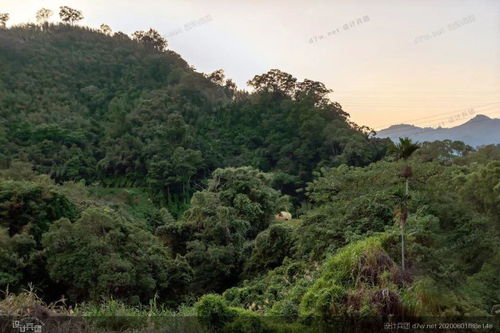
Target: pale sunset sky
[{"x": 388, "y": 61}]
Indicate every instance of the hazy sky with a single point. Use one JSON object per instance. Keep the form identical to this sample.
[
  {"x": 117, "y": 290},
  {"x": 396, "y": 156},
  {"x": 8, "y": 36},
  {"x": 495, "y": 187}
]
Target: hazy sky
[{"x": 390, "y": 61}]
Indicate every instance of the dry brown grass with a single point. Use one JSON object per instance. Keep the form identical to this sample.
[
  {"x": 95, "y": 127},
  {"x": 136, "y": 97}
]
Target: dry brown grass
[
  {"x": 55, "y": 317},
  {"x": 27, "y": 303}
]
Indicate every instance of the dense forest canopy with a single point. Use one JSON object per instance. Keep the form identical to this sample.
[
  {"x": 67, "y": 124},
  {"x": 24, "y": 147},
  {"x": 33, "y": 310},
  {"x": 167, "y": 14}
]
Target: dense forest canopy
[
  {"x": 128, "y": 178},
  {"x": 81, "y": 104}
]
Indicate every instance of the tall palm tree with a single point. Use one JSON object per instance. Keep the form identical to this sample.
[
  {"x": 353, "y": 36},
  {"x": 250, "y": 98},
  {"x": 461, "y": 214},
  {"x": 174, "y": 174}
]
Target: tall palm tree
[{"x": 403, "y": 150}]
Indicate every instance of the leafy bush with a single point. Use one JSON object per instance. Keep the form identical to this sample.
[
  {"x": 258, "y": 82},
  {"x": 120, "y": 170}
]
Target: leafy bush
[
  {"x": 270, "y": 248},
  {"x": 214, "y": 232},
  {"x": 213, "y": 312},
  {"x": 29, "y": 207},
  {"x": 101, "y": 254}
]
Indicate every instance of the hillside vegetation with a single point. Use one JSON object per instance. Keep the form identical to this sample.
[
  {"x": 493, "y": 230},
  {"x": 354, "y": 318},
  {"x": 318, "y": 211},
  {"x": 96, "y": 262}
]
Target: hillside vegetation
[
  {"x": 133, "y": 187},
  {"x": 79, "y": 104}
]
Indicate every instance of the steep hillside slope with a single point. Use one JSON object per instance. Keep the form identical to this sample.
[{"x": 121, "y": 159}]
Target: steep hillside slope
[{"x": 79, "y": 104}]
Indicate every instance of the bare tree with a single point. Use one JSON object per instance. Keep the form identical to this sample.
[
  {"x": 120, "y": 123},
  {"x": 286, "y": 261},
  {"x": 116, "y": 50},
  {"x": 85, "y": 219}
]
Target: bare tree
[
  {"x": 43, "y": 15},
  {"x": 70, "y": 15},
  {"x": 4, "y": 17},
  {"x": 106, "y": 29}
]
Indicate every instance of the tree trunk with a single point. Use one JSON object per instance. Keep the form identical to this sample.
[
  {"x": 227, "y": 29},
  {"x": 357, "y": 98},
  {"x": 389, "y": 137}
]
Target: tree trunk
[
  {"x": 402, "y": 247},
  {"x": 403, "y": 222}
]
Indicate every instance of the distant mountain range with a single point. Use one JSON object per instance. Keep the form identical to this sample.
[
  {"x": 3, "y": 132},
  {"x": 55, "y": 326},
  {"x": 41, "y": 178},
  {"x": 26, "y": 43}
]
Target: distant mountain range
[{"x": 480, "y": 130}]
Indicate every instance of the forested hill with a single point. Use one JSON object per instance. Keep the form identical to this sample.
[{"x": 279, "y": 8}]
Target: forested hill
[
  {"x": 137, "y": 188},
  {"x": 478, "y": 131},
  {"x": 80, "y": 104}
]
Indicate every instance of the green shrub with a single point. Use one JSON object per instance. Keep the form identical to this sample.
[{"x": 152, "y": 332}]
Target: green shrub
[
  {"x": 102, "y": 254},
  {"x": 213, "y": 312},
  {"x": 327, "y": 295}
]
